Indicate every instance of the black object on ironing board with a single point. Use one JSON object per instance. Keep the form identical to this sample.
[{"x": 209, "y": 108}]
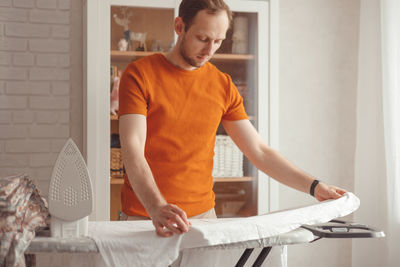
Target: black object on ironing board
[
  {"x": 332, "y": 229},
  {"x": 343, "y": 229}
]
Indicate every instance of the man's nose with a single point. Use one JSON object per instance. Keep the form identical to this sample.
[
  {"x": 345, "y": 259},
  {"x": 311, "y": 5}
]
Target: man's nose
[{"x": 208, "y": 48}]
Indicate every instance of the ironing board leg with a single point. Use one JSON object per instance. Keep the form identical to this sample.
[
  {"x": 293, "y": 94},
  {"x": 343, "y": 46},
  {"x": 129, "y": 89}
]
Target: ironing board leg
[
  {"x": 261, "y": 258},
  {"x": 246, "y": 254}
]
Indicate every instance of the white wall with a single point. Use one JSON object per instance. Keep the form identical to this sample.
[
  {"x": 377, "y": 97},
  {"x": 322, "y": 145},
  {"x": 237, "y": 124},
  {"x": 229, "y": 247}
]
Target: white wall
[
  {"x": 35, "y": 85},
  {"x": 318, "y": 82}
]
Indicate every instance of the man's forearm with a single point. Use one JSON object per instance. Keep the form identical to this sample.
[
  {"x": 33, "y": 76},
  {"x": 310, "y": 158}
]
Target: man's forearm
[
  {"x": 275, "y": 165},
  {"x": 142, "y": 181}
]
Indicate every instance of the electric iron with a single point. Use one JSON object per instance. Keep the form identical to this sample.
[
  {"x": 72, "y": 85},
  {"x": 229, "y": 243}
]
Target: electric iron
[{"x": 70, "y": 194}]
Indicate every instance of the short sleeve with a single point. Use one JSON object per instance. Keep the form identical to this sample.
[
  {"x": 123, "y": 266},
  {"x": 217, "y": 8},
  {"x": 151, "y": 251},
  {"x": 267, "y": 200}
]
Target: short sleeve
[
  {"x": 235, "y": 109},
  {"x": 132, "y": 92}
]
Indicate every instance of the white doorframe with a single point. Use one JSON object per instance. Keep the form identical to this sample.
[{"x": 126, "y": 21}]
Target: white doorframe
[
  {"x": 97, "y": 103},
  {"x": 273, "y": 95}
]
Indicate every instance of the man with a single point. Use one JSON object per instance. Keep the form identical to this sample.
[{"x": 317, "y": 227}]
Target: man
[{"x": 170, "y": 109}]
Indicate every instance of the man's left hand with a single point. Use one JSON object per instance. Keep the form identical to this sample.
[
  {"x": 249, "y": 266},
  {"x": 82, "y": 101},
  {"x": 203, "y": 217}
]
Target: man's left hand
[{"x": 324, "y": 192}]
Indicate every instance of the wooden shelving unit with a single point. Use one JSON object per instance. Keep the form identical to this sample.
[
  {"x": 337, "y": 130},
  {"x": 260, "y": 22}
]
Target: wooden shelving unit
[{"x": 235, "y": 196}]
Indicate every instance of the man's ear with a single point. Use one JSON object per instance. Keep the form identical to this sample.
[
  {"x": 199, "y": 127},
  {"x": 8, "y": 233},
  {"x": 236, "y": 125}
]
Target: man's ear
[{"x": 179, "y": 26}]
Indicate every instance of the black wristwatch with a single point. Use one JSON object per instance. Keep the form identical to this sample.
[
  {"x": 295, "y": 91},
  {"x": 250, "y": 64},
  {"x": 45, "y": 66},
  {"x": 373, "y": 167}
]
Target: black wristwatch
[{"x": 312, "y": 187}]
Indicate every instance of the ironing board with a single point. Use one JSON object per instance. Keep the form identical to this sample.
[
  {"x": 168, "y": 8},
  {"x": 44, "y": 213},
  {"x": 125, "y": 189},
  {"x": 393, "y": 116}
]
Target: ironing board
[
  {"x": 123, "y": 242},
  {"x": 46, "y": 244},
  {"x": 43, "y": 243}
]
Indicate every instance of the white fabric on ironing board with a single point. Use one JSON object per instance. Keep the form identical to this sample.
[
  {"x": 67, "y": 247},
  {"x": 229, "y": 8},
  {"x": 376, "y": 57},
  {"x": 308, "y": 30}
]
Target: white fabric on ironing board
[{"x": 135, "y": 242}]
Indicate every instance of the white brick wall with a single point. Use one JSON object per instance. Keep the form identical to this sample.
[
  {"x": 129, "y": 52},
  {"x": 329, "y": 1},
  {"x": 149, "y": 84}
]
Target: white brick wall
[
  {"x": 2, "y": 87},
  {"x": 5, "y": 59},
  {"x": 27, "y": 88},
  {"x": 34, "y": 86},
  {"x": 24, "y": 3}
]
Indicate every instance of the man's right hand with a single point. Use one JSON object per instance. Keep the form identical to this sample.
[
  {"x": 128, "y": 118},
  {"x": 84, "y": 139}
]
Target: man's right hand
[{"x": 169, "y": 219}]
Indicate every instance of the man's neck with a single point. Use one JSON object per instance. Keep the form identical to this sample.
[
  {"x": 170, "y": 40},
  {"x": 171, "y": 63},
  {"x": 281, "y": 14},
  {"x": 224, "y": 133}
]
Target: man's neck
[{"x": 177, "y": 60}]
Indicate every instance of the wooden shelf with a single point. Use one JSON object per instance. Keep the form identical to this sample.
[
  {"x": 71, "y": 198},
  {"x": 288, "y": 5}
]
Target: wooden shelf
[
  {"x": 114, "y": 180},
  {"x": 123, "y": 55},
  {"x": 233, "y": 179},
  {"x": 127, "y": 55},
  {"x": 232, "y": 57}
]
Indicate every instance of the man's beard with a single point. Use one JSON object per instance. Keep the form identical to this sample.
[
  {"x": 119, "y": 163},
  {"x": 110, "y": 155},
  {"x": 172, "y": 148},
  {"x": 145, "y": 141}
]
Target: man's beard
[{"x": 189, "y": 60}]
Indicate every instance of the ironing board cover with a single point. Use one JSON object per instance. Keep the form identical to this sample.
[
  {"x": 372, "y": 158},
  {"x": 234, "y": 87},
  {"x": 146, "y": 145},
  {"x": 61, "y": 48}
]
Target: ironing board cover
[{"x": 126, "y": 242}]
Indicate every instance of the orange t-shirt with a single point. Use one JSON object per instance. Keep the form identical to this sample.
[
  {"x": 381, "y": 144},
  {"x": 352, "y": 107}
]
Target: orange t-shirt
[{"x": 183, "y": 110}]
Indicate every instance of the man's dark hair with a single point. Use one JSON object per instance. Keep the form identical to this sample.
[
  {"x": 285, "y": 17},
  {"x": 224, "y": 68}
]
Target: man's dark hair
[{"x": 188, "y": 9}]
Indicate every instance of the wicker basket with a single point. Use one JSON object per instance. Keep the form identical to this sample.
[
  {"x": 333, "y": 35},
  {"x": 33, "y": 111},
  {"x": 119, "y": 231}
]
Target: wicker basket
[
  {"x": 116, "y": 166},
  {"x": 228, "y": 159}
]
